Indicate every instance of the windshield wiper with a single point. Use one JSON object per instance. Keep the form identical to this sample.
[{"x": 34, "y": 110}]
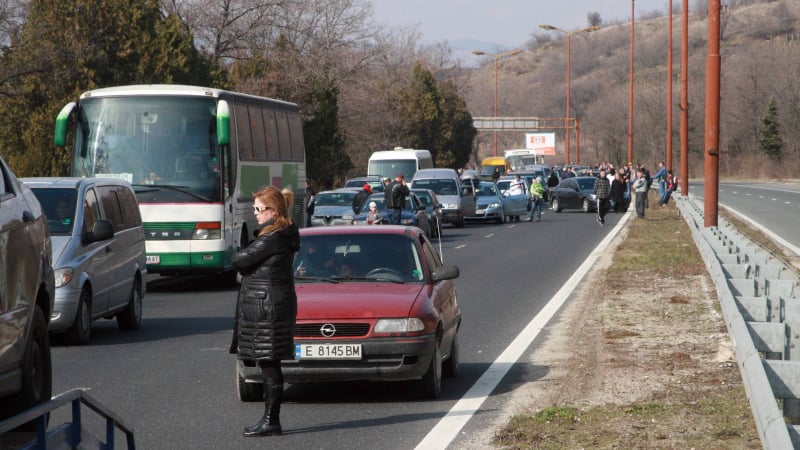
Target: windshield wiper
[
  {"x": 327, "y": 280},
  {"x": 181, "y": 189},
  {"x": 382, "y": 279}
]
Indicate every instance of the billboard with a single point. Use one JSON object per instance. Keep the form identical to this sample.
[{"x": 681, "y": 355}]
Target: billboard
[{"x": 541, "y": 143}]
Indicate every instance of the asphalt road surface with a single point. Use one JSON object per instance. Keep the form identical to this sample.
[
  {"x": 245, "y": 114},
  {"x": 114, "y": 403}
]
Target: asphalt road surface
[{"x": 173, "y": 380}]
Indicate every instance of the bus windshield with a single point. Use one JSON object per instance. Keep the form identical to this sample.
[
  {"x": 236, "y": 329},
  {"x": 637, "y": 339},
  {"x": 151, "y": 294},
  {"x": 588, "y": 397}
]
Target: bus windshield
[
  {"x": 164, "y": 146},
  {"x": 391, "y": 167}
]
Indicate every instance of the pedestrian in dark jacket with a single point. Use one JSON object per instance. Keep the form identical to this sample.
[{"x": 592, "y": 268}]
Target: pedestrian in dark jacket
[
  {"x": 602, "y": 189},
  {"x": 359, "y": 199},
  {"x": 308, "y": 201},
  {"x": 398, "y": 192},
  {"x": 618, "y": 193},
  {"x": 266, "y": 308}
]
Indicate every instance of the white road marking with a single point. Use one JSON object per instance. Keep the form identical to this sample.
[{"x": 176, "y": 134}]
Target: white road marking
[
  {"x": 764, "y": 230},
  {"x": 448, "y": 428},
  {"x": 489, "y": 235},
  {"x": 460, "y": 246}
]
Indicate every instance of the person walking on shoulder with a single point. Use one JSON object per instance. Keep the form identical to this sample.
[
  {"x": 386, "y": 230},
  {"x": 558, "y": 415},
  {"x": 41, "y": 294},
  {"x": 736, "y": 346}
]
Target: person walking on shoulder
[
  {"x": 536, "y": 191},
  {"x": 266, "y": 308},
  {"x": 602, "y": 189}
]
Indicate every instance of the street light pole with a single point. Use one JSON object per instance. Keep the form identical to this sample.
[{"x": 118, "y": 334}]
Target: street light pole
[
  {"x": 497, "y": 57},
  {"x": 569, "y": 79},
  {"x": 630, "y": 99}
]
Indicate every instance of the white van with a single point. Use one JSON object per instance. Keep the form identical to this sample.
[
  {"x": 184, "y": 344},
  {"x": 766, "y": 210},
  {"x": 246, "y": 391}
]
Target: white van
[
  {"x": 457, "y": 198},
  {"x": 407, "y": 161}
]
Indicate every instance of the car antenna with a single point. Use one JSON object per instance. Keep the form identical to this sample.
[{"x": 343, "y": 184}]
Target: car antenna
[{"x": 439, "y": 237}]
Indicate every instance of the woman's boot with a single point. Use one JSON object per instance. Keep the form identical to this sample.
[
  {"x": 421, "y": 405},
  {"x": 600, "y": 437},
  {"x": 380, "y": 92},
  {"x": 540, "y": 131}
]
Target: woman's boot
[{"x": 270, "y": 423}]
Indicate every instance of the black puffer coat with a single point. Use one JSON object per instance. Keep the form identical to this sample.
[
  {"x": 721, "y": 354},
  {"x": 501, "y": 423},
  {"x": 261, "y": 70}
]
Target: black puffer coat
[{"x": 266, "y": 308}]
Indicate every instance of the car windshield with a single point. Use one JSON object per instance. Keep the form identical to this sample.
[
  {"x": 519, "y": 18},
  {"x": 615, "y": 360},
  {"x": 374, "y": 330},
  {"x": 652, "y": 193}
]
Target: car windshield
[
  {"x": 335, "y": 199},
  {"x": 59, "y": 207},
  {"x": 486, "y": 190},
  {"x": 424, "y": 196},
  {"x": 439, "y": 187},
  {"x": 358, "y": 257}
]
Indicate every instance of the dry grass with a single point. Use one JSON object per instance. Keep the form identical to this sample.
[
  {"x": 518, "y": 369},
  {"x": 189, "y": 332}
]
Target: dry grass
[{"x": 648, "y": 363}]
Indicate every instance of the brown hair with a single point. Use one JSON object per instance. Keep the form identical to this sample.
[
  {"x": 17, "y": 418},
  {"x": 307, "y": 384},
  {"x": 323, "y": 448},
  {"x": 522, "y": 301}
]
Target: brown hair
[{"x": 280, "y": 202}]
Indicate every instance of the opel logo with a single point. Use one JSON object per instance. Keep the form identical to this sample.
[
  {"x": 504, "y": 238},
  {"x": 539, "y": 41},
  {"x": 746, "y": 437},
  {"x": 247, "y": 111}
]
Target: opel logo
[{"x": 327, "y": 330}]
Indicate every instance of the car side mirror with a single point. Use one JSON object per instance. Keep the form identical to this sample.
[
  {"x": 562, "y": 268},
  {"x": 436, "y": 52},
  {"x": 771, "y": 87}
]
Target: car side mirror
[
  {"x": 101, "y": 231},
  {"x": 420, "y": 207},
  {"x": 446, "y": 272}
]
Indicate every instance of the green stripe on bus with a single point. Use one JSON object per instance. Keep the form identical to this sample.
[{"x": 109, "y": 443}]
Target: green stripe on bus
[
  {"x": 169, "y": 225},
  {"x": 184, "y": 261}
]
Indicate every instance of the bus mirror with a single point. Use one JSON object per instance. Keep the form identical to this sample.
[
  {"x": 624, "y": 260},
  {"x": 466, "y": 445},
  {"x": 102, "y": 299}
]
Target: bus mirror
[
  {"x": 223, "y": 123},
  {"x": 60, "y": 137}
]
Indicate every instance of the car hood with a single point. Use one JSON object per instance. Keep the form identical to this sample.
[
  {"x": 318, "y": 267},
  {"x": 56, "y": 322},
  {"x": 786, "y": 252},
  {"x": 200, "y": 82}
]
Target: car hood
[
  {"x": 482, "y": 201},
  {"x": 355, "y": 300},
  {"x": 450, "y": 199}
]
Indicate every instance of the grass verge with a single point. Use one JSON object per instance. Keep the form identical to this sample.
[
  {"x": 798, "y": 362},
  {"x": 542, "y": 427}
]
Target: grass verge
[{"x": 649, "y": 369}]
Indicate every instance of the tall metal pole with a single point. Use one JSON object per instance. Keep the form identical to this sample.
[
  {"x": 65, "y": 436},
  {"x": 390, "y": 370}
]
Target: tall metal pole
[
  {"x": 630, "y": 100},
  {"x": 569, "y": 81},
  {"x": 669, "y": 92},
  {"x": 496, "y": 82},
  {"x": 685, "y": 98},
  {"x": 713, "y": 69},
  {"x": 577, "y": 141}
]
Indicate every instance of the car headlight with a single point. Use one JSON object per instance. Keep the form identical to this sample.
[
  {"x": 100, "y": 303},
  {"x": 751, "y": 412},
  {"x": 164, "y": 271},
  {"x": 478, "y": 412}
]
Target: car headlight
[
  {"x": 347, "y": 217},
  {"x": 399, "y": 325},
  {"x": 63, "y": 277},
  {"x": 407, "y": 221},
  {"x": 451, "y": 206},
  {"x": 494, "y": 205},
  {"x": 359, "y": 221},
  {"x": 593, "y": 196}
]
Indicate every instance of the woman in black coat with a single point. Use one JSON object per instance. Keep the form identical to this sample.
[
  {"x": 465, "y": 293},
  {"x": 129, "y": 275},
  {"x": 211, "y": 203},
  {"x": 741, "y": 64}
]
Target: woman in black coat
[{"x": 266, "y": 308}]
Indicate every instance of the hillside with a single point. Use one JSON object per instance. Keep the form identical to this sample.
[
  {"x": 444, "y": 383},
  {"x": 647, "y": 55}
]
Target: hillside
[{"x": 760, "y": 49}]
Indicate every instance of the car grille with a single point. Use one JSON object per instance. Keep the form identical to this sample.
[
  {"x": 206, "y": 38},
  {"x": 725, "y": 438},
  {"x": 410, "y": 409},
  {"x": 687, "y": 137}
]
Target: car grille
[{"x": 342, "y": 330}]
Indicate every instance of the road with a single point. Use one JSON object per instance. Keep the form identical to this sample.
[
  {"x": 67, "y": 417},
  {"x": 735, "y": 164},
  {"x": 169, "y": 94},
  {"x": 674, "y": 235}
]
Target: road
[
  {"x": 173, "y": 380},
  {"x": 774, "y": 206}
]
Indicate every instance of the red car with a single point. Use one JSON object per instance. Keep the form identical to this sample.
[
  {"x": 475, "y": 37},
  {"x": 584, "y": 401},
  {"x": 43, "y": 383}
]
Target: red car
[{"x": 373, "y": 303}]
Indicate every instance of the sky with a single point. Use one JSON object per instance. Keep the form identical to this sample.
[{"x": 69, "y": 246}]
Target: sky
[{"x": 502, "y": 24}]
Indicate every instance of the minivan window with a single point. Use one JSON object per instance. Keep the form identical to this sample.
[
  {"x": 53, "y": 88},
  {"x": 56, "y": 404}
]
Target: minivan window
[
  {"x": 59, "y": 207},
  {"x": 91, "y": 210},
  {"x": 108, "y": 197},
  {"x": 130, "y": 208}
]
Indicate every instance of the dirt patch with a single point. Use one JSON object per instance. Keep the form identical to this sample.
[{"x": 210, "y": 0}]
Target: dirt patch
[{"x": 643, "y": 362}]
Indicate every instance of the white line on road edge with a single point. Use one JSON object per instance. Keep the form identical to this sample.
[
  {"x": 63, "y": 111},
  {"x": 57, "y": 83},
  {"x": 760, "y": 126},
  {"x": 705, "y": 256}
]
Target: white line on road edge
[
  {"x": 763, "y": 229},
  {"x": 447, "y": 429}
]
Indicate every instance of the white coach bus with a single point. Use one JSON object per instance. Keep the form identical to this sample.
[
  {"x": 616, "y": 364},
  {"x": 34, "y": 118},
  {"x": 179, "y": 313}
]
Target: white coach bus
[{"x": 195, "y": 156}]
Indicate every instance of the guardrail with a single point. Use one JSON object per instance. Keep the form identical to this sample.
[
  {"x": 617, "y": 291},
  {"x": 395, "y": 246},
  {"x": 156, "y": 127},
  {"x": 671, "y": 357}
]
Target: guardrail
[
  {"x": 760, "y": 300},
  {"x": 72, "y": 434}
]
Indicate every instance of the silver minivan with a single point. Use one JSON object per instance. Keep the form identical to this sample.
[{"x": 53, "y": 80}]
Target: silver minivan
[
  {"x": 457, "y": 198},
  {"x": 98, "y": 253}
]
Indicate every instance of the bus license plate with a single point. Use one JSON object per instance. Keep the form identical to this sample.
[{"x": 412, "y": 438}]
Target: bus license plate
[
  {"x": 153, "y": 259},
  {"x": 327, "y": 351}
]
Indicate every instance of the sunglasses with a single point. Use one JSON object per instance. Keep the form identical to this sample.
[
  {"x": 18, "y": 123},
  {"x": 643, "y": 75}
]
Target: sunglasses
[{"x": 260, "y": 209}]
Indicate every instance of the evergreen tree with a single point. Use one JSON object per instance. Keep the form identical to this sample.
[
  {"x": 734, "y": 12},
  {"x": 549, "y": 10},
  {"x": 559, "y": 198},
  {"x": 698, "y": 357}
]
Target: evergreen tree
[
  {"x": 769, "y": 137},
  {"x": 436, "y": 118},
  {"x": 326, "y": 160}
]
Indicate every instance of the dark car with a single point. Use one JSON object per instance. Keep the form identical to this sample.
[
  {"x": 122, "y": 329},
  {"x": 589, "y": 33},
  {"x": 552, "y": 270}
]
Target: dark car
[
  {"x": 374, "y": 182},
  {"x": 373, "y": 303},
  {"x": 27, "y": 293},
  {"x": 574, "y": 193},
  {"x": 433, "y": 209},
  {"x": 413, "y": 213}
]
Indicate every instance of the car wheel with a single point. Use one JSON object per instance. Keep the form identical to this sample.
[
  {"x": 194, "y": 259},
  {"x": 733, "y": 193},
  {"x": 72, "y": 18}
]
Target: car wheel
[
  {"x": 80, "y": 333},
  {"x": 450, "y": 366},
  {"x": 502, "y": 218},
  {"x": 436, "y": 228},
  {"x": 131, "y": 317},
  {"x": 460, "y": 223},
  {"x": 556, "y": 207},
  {"x": 432, "y": 380},
  {"x": 37, "y": 373},
  {"x": 249, "y": 392},
  {"x": 586, "y": 206}
]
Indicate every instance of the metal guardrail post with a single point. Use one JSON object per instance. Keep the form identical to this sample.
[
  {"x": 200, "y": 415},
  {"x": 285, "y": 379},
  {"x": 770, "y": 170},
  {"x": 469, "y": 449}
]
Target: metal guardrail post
[{"x": 713, "y": 242}]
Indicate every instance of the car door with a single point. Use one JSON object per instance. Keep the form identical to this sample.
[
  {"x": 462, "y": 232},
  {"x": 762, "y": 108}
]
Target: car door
[
  {"x": 569, "y": 196},
  {"x": 467, "y": 200},
  {"x": 443, "y": 294},
  {"x": 99, "y": 267},
  {"x": 122, "y": 249}
]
